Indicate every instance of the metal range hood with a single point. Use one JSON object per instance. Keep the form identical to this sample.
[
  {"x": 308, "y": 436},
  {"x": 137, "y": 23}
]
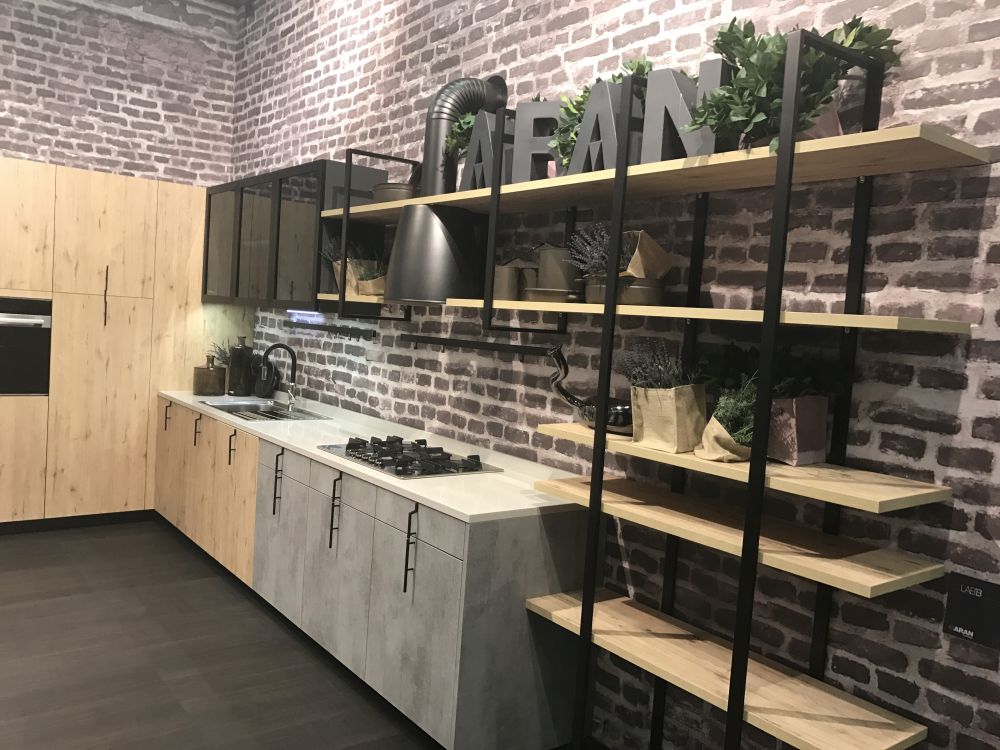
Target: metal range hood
[{"x": 439, "y": 251}]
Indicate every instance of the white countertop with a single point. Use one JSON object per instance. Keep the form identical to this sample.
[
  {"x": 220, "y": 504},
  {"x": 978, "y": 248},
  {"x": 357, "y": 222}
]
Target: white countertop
[{"x": 468, "y": 497}]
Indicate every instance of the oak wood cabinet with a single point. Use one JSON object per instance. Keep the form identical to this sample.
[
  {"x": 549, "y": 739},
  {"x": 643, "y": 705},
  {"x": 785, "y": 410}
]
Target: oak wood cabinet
[
  {"x": 233, "y": 499},
  {"x": 105, "y": 234},
  {"x": 98, "y": 404},
  {"x": 22, "y": 445},
  {"x": 27, "y": 194},
  {"x": 173, "y": 424}
]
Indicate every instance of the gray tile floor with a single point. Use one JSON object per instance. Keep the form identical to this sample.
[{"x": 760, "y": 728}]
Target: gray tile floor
[{"x": 126, "y": 636}]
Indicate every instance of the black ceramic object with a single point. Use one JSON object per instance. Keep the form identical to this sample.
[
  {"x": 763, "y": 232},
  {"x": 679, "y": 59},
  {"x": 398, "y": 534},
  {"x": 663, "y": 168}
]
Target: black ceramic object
[
  {"x": 619, "y": 417},
  {"x": 241, "y": 377}
]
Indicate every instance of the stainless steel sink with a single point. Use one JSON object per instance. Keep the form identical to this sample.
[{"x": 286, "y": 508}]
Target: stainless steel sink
[{"x": 257, "y": 410}]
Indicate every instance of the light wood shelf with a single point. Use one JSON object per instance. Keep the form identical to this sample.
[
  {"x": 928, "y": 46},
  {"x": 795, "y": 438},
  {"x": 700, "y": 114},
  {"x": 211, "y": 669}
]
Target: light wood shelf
[
  {"x": 371, "y": 299},
  {"x": 852, "y": 488},
  {"x": 844, "y": 564},
  {"x": 793, "y": 707},
  {"x": 828, "y": 320},
  {"x": 909, "y": 148}
]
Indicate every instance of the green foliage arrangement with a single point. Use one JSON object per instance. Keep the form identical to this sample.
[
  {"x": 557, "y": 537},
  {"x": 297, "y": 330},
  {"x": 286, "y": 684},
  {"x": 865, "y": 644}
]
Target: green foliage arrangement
[
  {"x": 655, "y": 367},
  {"x": 588, "y": 250},
  {"x": 735, "y": 408},
  {"x": 456, "y": 143},
  {"x": 749, "y": 107},
  {"x": 571, "y": 112},
  {"x": 370, "y": 273},
  {"x": 220, "y": 352}
]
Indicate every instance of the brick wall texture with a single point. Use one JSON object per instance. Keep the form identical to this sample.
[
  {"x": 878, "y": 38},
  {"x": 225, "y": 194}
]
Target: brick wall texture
[
  {"x": 314, "y": 78},
  {"x": 141, "y": 87}
]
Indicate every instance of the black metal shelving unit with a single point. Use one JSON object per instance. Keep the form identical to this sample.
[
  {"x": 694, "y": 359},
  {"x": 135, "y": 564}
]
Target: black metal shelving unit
[{"x": 798, "y": 42}]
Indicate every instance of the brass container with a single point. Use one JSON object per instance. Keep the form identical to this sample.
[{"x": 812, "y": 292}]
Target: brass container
[{"x": 209, "y": 380}]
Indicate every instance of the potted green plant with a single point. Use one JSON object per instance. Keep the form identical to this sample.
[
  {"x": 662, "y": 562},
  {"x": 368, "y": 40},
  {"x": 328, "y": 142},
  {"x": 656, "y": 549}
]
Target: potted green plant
[
  {"x": 641, "y": 266},
  {"x": 799, "y": 409},
  {"x": 729, "y": 433},
  {"x": 668, "y": 401},
  {"x": 747, "y": 110}
]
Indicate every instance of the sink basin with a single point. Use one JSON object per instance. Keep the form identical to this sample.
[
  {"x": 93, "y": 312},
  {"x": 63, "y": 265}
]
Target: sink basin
[{"x": 257, "y": 410}]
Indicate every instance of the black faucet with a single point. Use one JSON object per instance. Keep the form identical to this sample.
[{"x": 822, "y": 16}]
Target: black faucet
[{"x": 295, "y": 367}]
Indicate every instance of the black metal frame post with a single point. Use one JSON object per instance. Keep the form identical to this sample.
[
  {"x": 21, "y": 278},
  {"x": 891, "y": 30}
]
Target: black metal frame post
[
  {"x": 678, "y": 481},
  {"x": 798, "y": 40},
  {"x": 853, "y": 305},
  {"x": 581, "y": 713},
  {"x": 344, "y": 225},
  {"x": 496, "y": 183}
]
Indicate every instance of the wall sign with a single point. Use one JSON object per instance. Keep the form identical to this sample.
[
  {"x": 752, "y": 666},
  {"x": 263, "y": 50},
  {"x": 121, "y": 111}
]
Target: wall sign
[{"x": 973, "y": 610}]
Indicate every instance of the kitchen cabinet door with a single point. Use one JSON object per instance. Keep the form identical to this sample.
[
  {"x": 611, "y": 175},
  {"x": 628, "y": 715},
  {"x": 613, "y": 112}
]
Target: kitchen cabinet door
[
  {"x": 255, "y": 242},
  {"x": 199, "y": 500},
  {"x": 24, "y": 421},
  {"x": 220, "y": 247},
  {"x": 105, "y": 234},
  {"x": 234, "y": 499},
  {"x": 172, "y": 423},
  {"x": 279, "y": 541},
  {"x": 28, "y": 195},
  {"x": 98, "y": 404},
  {"x": 298, "y": 237},
  {"x": 412, "y": 656},
  {"x": 337, "y": 578}
]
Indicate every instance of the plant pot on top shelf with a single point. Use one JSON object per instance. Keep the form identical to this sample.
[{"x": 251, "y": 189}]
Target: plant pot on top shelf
[
  {"x": 668, "y": 406},
  {"x": 360, "y": 272}
]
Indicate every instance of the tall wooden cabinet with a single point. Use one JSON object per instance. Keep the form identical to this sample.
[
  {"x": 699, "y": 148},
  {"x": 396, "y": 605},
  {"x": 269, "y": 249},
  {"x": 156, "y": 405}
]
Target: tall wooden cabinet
[
  {"x": 27, "y": 194},
  {"x": 98, "y": 404}
]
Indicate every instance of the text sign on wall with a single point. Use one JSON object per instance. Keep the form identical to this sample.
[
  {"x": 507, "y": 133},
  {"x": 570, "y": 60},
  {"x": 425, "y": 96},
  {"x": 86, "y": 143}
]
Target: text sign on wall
[{"x": 973, "y": 610}]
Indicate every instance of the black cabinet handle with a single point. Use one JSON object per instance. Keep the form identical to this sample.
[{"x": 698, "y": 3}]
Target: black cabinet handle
[
  {"x": 197, "y": 428},
  {"x": 334, "y": 507},
  {"x": 107, "y": 275},
  {"x": 232, "y": 447},
  {"x": 411, "y": 540},
  {"x": 279, "y": 472},
  {"x": 166, "y": 414}
]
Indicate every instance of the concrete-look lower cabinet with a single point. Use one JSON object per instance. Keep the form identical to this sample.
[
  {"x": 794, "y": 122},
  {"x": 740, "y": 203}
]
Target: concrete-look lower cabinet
[
  {"x": 337, "y": 577},
  {"x": 279, "y": 535},
  {"x": 413, "y": 634}
]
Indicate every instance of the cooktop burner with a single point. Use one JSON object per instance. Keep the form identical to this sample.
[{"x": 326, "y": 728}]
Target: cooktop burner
[{"x": 407, "y": 459}]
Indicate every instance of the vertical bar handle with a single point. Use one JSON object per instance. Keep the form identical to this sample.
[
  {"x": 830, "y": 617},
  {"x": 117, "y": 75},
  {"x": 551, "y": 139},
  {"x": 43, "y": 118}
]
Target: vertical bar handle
[
  {"x": 166, "y": 414},
  {"x": 232, "y": 448},
  {"x": 334, "y": 507},
  {"x": 197, "y": 428},
  {"x": 411, "y": 540},
  {"x": 107, "y": 275},
  {"x": 279, "y": 472}
]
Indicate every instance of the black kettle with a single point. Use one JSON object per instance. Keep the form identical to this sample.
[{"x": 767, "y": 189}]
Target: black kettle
[{"x": 619, "y": 416}]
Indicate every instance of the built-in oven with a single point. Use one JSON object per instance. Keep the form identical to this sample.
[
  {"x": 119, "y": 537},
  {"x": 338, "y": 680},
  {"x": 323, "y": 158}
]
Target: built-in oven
[{"x": 25, "y": 345}]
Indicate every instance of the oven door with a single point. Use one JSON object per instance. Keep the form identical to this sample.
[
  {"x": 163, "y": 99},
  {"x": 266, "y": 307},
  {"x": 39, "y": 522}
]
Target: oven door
[{"x": 25, "y": 345}]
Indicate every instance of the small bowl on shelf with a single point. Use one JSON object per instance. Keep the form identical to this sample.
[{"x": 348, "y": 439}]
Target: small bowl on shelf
[{"x": 385, "y": 192}]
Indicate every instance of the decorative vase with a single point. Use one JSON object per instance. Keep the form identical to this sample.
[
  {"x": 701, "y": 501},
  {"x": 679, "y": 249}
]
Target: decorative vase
[
  {"x": 209, "y": 380},
  {"x": 507, "y": 283},
  {"x": 798, "y": 430},
  {"x": 669, "y": 419},
  {"x": 554, "y": 269},
  {"x": 718, "y": 445}
]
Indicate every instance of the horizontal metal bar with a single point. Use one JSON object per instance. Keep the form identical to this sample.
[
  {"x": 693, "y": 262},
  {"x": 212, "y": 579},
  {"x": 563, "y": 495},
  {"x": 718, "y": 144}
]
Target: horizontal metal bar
[
  {"x": 523, "y": 350},
  {"x": 349, "y": 332},
  {"x": 822, "y": 44},
  {"x": 386, "y": 157}
]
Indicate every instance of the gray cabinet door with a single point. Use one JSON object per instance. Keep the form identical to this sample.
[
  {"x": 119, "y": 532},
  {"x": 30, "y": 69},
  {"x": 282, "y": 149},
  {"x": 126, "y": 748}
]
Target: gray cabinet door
[
  {"x": 279, "y": 541},
  {"x": 413, "y": 635},
  {"x": 337, "y": 578}
]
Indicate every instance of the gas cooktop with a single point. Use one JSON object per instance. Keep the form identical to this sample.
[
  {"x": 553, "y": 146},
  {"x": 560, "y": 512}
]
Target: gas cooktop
[{"x": 407, "y": 459}]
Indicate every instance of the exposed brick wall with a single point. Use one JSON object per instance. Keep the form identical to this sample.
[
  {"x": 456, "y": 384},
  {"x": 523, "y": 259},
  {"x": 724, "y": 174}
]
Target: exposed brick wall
[
  {"x": 126, "y": 86},
  {"x": 360, "y": 74}
]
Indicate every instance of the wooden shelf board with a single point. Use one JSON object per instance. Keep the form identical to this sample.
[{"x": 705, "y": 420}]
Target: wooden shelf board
[
  {"x": 791, "y": 706},
  {"x": 909, "y": 148},
  {"x": 845, "y": 564},
  {"x": 829, "y": 320},
  {"x": 852, "y": 488},
  {"x": 367, "y": 298}
]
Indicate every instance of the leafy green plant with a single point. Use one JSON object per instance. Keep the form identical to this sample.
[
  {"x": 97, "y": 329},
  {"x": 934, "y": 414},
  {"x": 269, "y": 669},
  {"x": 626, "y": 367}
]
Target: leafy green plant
[
  {"x": 748, "y": 108},
  {"x": 655, "y": 367},
  {"x": 571, "y": 113},
  {"x": 588, "y": 250},
  {"x": 734, "y": 410},
  {"x": 370, "y": 273},
  {"x": 220, "y": 352},
  {"x": 456, "y": 143}
]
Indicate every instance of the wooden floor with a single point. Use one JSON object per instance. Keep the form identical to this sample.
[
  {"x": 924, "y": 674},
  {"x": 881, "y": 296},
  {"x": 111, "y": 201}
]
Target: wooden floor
[{"x": 126, "y": 636}]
